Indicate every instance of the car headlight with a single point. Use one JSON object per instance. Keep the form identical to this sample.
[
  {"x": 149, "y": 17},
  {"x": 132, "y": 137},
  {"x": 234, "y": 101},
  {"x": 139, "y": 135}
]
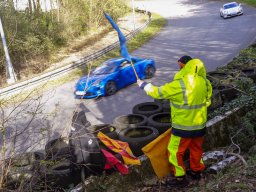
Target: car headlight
[{"x": 80, "y": 93}]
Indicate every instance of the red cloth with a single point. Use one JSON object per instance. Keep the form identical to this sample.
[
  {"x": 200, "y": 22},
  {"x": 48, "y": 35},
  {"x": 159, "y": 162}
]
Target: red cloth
[
  {"x": 119, "y": 147},
  {"x": 113, "y": 162}
]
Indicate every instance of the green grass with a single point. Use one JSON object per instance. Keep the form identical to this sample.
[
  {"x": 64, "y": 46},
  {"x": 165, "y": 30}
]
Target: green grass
[
  {"x": 249, "y": 2},
  {"x": 156, "y": 24}
]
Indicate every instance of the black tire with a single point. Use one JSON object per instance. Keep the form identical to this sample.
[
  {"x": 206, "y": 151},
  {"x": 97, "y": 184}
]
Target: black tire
[
  {"x": 20, "y": 174},
  {"x": 216, "y": 100},
  {"x": 149, "y": 72},
  {"x": 57, "y": 173},
  {"x": 165, "y": 103},
  {"x": 138, "y": 137},
  {"x": 228, "y": 93},
  {"x": 147, "y": 108},
  {"x": 250, "y": 73},
  {"x": 25, "y": 159},
  {"x": 110, "y": 88},
  {"x": 57, "y": 149},
  {"x": 22, "y": 177},
  {"x": 106, "y": 129},
  {"x": 79, "y": 121},
  {"x": 24, "y": 169},
  {"x": 215, "y": 82},
  {"x": 160, "y": 121},
  {"x": 219, "y": 75},
  {"x": 130, "y": 120}
]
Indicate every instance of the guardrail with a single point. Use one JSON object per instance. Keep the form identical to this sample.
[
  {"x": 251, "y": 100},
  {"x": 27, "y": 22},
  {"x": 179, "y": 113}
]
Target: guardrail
[{"x": 67, "y": 68}]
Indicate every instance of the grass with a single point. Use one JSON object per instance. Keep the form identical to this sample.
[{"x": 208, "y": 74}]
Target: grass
[
  {"x": 249, "y": 2},
  {"x": 236, "y": 177},
  {"x": 156, "y": 24}
]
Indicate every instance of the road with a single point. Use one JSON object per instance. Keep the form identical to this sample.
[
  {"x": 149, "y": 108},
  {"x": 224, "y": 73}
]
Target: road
[{"x": 195, "y": 29}]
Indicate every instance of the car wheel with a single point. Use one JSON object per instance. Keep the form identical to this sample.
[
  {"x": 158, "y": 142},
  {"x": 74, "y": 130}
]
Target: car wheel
[
  {"x": 149, "y": 71},
  {"x": 110, "y": 88},
  {"x": 220, "y": 15}
]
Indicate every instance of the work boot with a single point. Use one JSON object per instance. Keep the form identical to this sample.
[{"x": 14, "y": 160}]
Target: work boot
[
  {"x": 195, "y": 175},
  {"x": 178, "y": 182}
]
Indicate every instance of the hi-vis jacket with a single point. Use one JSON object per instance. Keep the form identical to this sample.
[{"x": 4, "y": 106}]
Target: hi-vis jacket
[{"x": 189, "y": 94}]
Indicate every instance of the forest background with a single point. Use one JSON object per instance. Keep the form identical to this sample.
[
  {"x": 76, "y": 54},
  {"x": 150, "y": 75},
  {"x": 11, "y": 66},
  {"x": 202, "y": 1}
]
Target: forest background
[{"x": 38, "y": 36}]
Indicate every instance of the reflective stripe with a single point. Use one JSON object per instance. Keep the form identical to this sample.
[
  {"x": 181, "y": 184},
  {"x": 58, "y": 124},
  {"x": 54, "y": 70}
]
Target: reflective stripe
[
  {"x": 188, "y": 106},
  {"x": 183, "y": 127},
  {"x": 183, "y": 88},
  {"x": 160, "y": 92},
  {"x": 173, "y": 148}
]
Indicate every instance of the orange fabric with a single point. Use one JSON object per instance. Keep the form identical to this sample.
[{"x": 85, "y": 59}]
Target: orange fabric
[
  {"x": 120, "y": 147},
  {"x": 157, "y": 153},
  {"x": 195, "y": 147},
  {"x": 196, "y": 152}
]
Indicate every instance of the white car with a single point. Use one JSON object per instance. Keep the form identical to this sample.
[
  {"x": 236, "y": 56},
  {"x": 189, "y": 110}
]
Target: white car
[{"x": 231, "y": 9}]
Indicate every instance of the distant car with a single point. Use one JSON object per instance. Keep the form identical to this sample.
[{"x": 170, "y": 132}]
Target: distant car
[
  {"x": 113, "y": 75},
  {"x": 231, "y": 9}
]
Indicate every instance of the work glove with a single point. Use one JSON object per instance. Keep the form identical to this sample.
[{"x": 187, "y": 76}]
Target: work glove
[{"x": 141, "y": 83}]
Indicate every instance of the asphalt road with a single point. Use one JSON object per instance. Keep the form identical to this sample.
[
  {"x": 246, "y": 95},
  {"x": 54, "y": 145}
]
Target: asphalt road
[{"x": 193, "y": 27}]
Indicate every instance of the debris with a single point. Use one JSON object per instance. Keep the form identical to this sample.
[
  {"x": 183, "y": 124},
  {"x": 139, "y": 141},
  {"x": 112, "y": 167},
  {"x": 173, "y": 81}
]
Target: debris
[
  {"x": 213, "y": 155},
  {"x": 222, "y": 164}
]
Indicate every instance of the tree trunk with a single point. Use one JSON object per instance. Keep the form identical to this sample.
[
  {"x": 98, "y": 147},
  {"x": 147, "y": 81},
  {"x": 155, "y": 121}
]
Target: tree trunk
[
  {"x": 30, "y": 8},
  {"x": 38, "y": 7}
]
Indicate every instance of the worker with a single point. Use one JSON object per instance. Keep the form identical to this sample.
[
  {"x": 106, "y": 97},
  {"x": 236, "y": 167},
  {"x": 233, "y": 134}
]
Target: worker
[{"x": 189, "y": 94}]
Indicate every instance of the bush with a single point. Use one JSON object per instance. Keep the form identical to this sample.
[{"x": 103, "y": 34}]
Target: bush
[{"x": 34, "y": 34}]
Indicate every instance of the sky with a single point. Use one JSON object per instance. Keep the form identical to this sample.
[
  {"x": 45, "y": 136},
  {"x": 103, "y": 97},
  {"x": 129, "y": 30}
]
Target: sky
[{"x": 45, "y": 4}]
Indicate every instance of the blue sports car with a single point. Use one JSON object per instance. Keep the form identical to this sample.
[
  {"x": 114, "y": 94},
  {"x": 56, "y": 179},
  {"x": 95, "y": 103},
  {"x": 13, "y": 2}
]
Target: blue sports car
[{"x": 113, "y": 75}]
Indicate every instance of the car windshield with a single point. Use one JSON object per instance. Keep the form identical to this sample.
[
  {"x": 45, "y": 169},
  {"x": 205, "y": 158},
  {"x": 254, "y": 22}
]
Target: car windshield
[
  {"x": 231, "y": 5},
  {"x": 105, "y": 68}
]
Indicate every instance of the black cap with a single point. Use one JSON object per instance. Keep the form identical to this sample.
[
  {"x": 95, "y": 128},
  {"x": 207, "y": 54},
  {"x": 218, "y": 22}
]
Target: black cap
[{"x": 184, "y": 59}]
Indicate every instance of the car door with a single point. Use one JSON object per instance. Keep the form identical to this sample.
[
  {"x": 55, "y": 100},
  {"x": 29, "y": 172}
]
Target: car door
[{"x": 127, "y": 75}]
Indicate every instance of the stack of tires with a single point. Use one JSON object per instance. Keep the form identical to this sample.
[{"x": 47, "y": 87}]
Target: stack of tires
[
  {"x": 250, "y": 73},
  {"x": 147, "y": 121},
  {"x": 223, "y": 90},
  {"x": 72, "y": 159},
  {"x": 22, "y": 171},
  {"x": 65, "y": 162}
]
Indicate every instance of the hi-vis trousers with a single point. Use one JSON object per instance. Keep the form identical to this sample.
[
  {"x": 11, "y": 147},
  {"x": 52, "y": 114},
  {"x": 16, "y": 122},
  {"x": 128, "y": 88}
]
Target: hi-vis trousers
[{"x": 177, "y": 147}]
